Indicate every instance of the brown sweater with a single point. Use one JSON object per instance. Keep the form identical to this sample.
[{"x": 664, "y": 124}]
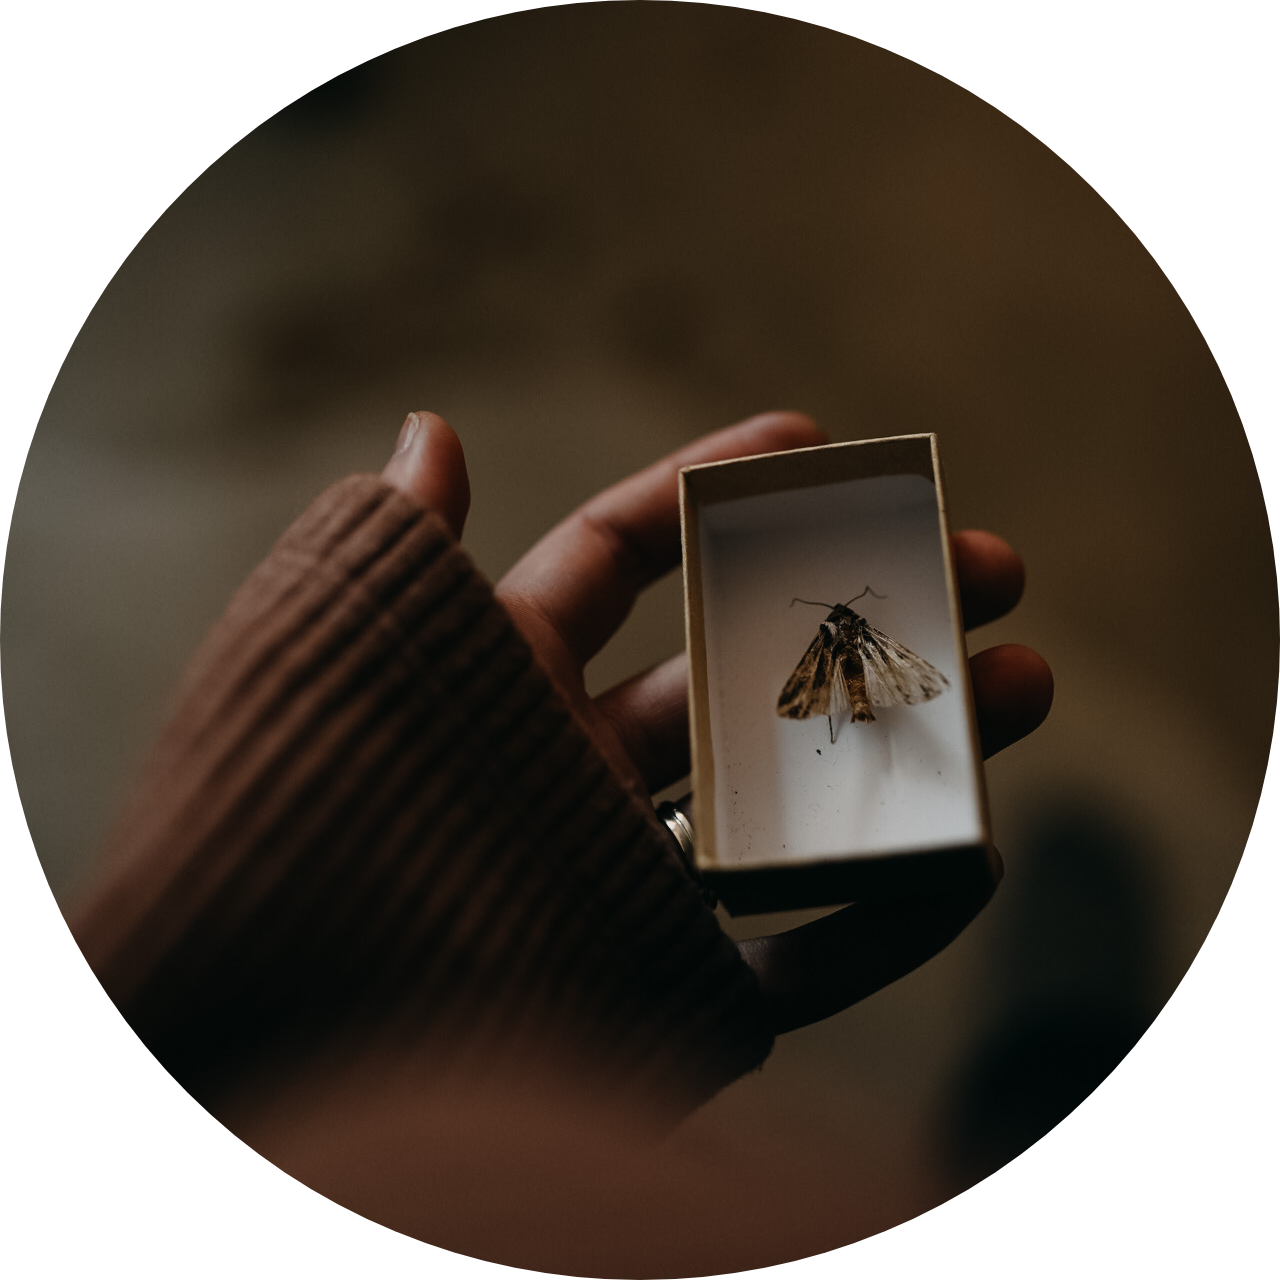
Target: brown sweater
[{"x": 373, "y": 822}]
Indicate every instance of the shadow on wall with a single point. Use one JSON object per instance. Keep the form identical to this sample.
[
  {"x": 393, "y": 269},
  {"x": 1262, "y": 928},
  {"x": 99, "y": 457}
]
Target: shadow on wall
[{"x": 1070, "y": 984}]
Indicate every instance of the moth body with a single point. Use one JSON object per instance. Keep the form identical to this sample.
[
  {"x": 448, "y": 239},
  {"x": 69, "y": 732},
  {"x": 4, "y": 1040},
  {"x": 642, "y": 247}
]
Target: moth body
[{"x": 850, "y": 666}]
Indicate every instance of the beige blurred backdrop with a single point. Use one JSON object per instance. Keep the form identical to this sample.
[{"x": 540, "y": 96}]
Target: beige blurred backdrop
[{"x": 586, "y": 235}]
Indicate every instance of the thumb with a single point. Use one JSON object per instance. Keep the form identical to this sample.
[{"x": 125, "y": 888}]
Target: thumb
[
  {"x": 428, "y": 464},
  {"x": 825, "y": 966}
]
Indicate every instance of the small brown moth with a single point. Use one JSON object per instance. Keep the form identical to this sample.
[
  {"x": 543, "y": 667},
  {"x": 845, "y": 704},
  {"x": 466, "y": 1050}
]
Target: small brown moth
[{"x": 850, "y": 666}]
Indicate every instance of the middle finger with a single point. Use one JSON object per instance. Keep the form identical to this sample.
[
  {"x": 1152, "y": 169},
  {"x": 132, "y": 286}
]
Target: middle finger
[{"x": 989, "y": 575}]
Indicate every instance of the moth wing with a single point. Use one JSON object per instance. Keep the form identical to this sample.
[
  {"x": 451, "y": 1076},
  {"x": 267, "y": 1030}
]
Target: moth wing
[
  {"x": 816, "y": 687},
  {"x": 896, "y": 676}
]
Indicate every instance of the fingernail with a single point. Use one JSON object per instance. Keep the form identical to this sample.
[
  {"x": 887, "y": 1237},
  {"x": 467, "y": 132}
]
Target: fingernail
[{"x": 409, "y": 433}]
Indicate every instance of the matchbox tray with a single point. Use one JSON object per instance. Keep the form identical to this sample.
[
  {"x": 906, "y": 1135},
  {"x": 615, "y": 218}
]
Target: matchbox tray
[{"x": 835, "y": 752}]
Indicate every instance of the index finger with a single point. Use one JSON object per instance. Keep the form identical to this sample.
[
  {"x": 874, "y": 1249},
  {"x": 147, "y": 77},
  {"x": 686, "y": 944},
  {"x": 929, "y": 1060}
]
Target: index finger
[{"x": 580, "y": 581}]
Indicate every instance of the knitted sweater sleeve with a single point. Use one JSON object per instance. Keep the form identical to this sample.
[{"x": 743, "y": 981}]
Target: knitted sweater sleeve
[{"x": 372, "y": 819}]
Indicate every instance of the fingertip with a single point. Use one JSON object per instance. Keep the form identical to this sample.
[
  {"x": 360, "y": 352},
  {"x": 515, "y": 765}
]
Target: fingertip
[
  {"x": 1012, "y": 693},
  {"x": 771, "y": 432},
  {"x": 429, "y": 465},
  {"x": 990, "y": 574},
  {"x": 782, "y": 429}
]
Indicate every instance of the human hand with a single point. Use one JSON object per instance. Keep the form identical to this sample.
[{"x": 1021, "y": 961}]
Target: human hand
[{"x": 574, "y": 588}]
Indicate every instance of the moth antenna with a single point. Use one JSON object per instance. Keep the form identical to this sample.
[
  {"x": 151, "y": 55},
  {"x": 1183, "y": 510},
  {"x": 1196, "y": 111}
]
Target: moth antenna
[
  {"x": 831, "y": 729},
  {"x": 796, "y": 600},
  {"x": 865, "y": 592}
]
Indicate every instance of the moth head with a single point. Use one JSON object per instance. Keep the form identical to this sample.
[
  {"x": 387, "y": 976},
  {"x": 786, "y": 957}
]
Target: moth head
[{"x": 839, "y": 611}]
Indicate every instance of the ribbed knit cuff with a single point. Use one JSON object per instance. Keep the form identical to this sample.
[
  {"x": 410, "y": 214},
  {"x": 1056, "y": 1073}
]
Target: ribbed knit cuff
[{"x": 372, "y": 815}]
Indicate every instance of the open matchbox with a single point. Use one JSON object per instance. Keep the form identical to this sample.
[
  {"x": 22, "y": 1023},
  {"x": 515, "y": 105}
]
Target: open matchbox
[{"x": 784, "y": 817}]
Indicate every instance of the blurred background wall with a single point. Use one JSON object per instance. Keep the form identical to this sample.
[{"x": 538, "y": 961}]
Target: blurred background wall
[{"x": 585, "y": 235}]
